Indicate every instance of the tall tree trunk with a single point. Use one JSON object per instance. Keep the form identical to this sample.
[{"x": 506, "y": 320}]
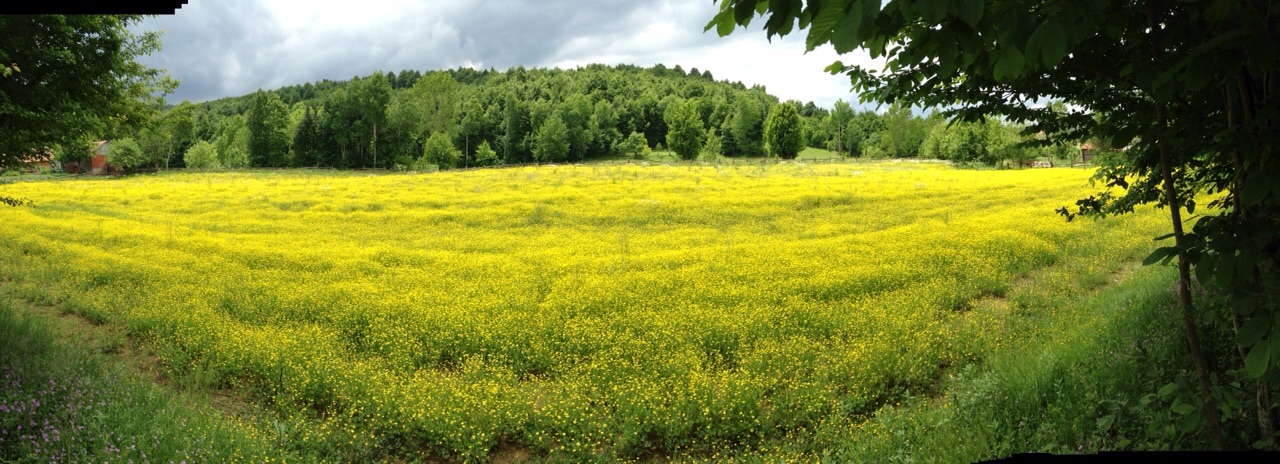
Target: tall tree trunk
[
  {"x": 1184, "y": 283},
  {"x": 1210, "y": 408},
  {"x": 839, "y": 141}
]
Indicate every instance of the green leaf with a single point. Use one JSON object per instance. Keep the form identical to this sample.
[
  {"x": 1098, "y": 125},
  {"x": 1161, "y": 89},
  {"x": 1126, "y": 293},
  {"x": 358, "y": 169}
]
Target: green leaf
[
  {"x": 870, "y": 10},
  {"x": 1167, "y": 390},
  {"x": 724, "y": 23},
  {"x": 1104, "y": 422},
  {"x": 844, "y": 36},
  {"x": 946, "y": 62},
  {"x": 1054, "y": 46},
  {"x": 1162, "y": 91},
  {"x": 932, "y": 12},
  {"x": 1009, "y": 64},
  {"x": 744, "y": 10},
  {"x": 1255, "y": 190},
  {"x": 1035, "y": 42},
  {"x": 1182, "y": 409},
  {"x": 1124, "y": 137},
  {"x": 1191, "y": 421},
  {"x": 1275, "y": 347},
  {"x": 1233, "y": 401},
  {"x": 835, "y": 68},
  {"x": 776, "y": 20},
  {"x": 1257, "y": 360},
  {"x": 1218, "y": 10},
  {"x": 1225, "y": 270},
  {"x": 780, "y": 24},
  {"x": 1204, "y": 272},
  {"x": 971, "y": 12},
  {"x": 1252, "y": 331},
  {"x": 1160, "y": 254},
  {"x": 1245, "y": 305},
  {"x": 824, "y": 23},
  {"x": 875, "y": 45},
  {"x": 1198, "y": 72}
]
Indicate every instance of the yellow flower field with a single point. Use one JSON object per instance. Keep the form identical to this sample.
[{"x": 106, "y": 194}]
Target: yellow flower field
[{"x": 573, "y": 311}]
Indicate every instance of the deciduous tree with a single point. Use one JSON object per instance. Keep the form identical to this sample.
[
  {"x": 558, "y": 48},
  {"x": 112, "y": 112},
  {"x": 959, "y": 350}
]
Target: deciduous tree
[
  {"x": 684, "y": 129},
  {"x": 1189, "y": 86},
  {"x": 859, "y": 132},
  {"x": 180, "y": 124},
  {"x": 711, "y": 148},
  {"x": 437, "y": 103},
  {"x": 71, "y": 79},
  {"x": 233, "y": 143},
  {"x": 635, "y": 145},
  {"x": 783, "y": 133},
  {"x": 485, "y": 156},
  {"x": 604, "y": 122},
  {"x": 551, "y": 143},
  {"x": 748, "y": 128},
  {"x": 202, "y": 155},
  {"x": 126, "y": 153},
  {"x": 515, "y": 130},
  {"x": 841, "y": 114},
  {"x": 308, "y": 146},
  {"x": 268, "y": 122},
  {"x": 439, "y": 150}
]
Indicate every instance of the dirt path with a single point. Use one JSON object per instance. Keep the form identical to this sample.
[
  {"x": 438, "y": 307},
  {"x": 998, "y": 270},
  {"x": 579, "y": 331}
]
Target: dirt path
[{"x": 116, "y": 347}]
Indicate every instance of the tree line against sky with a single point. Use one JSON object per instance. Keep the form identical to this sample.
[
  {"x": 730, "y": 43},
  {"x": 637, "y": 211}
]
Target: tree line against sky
[{"x": 466, "y": 118}]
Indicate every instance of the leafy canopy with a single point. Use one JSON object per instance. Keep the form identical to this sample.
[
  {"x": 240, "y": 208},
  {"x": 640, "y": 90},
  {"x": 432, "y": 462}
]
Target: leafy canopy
[{"x": 71, "y": 79}]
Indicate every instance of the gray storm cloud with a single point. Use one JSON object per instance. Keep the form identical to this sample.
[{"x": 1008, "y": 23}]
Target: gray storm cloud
[{"x": 220, "y": 48}]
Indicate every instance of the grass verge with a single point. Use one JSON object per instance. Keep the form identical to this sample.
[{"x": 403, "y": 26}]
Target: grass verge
[
  {"x": 1086, "y": 385},
  {"x": 63, "y": 402}
]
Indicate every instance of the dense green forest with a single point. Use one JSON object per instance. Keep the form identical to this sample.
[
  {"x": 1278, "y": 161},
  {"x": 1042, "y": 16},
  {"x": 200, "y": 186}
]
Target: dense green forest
[{"x": 466, "y": 118}]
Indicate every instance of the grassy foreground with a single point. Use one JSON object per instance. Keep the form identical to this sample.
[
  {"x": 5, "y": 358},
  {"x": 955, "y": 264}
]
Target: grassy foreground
[
  {"x": 66, "y": 403},
  {"x": 579, "y": 312}
]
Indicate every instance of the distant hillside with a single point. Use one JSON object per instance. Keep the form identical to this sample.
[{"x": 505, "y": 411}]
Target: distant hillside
[{"x": 391, "y": 116}]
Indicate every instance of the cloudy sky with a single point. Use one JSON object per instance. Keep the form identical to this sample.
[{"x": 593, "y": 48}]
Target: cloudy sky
[{"x": 223, "y": 48}]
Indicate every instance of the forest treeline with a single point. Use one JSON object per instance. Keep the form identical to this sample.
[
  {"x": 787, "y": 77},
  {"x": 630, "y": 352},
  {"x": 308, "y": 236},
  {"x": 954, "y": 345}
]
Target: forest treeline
[{"x": 466, "y": 117}]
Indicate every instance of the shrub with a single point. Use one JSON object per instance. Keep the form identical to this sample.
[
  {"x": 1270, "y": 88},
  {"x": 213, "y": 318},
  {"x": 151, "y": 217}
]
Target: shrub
[
  {"x": 711, "y": 148},
  {"x": 439, "y": 150},
  {"x": 126, "y": 153},
  {"x": 635, "y": 146},
  {"x": 202, "y": 155},
  {"x": 485, "y": 156},
  {"x": 551, "y": 143}
]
